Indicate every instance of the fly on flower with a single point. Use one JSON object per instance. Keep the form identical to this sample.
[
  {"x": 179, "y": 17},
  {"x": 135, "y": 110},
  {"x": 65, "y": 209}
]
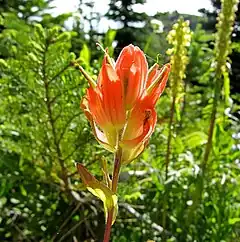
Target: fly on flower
[{"x": 121, "y": 104}]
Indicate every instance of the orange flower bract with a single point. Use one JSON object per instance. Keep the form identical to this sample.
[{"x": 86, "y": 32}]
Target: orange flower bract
[
  {"x": 121, "y": 106},
  {"x": 131, "y": 67}
]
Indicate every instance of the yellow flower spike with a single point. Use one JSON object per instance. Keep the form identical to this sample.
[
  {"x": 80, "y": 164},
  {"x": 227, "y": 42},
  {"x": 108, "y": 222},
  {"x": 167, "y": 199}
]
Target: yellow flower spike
[
  {"x": 179, "y": 37},
  {"x": 223, "y": 42}
]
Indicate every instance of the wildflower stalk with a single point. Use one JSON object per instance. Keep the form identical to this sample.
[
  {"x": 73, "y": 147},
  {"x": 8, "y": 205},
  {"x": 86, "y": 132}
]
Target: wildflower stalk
[
  {"x": 179, "y": 37},
  {"x": 116, "y": 171},
  {"x": 222, "y": 50},
  {"x": 108, "y": 227},
  {"x": 116, "y": 118},
  {"x": 170, "y": 128}
]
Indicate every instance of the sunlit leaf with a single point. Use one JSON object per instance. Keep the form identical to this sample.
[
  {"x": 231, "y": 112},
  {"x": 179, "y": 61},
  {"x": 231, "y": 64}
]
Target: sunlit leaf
[
  {"x": 99, "y": 190},
  {"x": 234, "y": 220},
  {"x": 85, "y": 55},
  {"x": 195, "y": 139}
]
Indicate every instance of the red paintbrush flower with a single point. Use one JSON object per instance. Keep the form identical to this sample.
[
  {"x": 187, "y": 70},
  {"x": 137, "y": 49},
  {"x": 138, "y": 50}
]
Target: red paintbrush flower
[{"x": 120, "y": 106}]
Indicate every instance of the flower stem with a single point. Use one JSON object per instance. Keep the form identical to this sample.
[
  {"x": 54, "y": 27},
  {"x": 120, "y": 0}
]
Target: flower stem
[
  {"x": 217, "y": 92},
  {"x": 116, "y": 170},
  {"x": 170, "y": 127},
  {"x": 108, "y": 227},
  {"x": 167, "y": 159}
]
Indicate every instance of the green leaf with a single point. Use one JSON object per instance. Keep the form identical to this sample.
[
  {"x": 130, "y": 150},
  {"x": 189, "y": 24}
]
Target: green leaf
[
  {"x": 195, "y": 139},
  {"x": 3, "y": 63},
  {"x": 178, "y": 144},
  {"x": 65, "y": 36},
  {"x": 3, "y": 201},
  {"x": 85, "y": 55},
  {"x": 100, "y": 190},
  {"x": 233, "y": 220},
  {"x": 133, "y": 196},
  {"x": 109, "y": 38},
  {"x": 23, "y": 190}
]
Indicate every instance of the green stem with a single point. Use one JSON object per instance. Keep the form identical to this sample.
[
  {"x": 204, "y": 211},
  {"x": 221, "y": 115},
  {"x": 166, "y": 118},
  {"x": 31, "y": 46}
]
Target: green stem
[
  {"x": 184, "y": 101},
  {"x": 149, "y": 40},
  {"x": 116, "y": 171},
  {"x": 167, "y": 160},
  {"x": 108, "y": 227},
  {"x": 169, "y": 137},
  {"x": 212, "y": 124},
  {"x": 217, "y": 91},
  {"x": 200, "y": 182}
]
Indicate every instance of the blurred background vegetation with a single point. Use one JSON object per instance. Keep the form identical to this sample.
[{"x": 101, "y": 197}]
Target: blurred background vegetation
[{"x": 174, "y": 191}]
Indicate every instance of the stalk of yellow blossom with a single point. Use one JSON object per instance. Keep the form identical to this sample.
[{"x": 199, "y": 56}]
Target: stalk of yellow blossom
[
  {"x": 179, "y": 37},
  {"x": 222, "y": 50}
]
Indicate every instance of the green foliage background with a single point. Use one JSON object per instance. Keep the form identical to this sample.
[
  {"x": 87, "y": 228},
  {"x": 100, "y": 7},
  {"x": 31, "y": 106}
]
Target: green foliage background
[{"x": 43, "y": 133}]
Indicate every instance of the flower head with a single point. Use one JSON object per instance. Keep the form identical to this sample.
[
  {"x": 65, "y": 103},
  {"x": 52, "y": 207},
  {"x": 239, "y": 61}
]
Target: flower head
[
  {"x": 131, "y": 67},
  {"x": 120, "y": 106}
]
